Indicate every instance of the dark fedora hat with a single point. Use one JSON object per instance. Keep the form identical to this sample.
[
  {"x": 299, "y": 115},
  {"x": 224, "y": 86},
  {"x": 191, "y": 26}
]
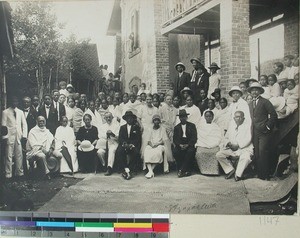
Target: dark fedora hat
[
  {"x": 182, "y": 113},
  {"x": 181, "y": 64},
  {"x": 214, "y": 65},
  {"x": 128, "y": 114}
]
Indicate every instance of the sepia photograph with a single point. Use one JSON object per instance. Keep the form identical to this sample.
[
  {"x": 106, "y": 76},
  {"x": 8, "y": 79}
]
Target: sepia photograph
[{"x": 150, "y": 106}]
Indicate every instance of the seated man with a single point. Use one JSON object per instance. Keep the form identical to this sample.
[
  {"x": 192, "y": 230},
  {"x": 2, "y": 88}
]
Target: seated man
[
  {"x": 40, "y": 146},
  {"x": 108, "y": 140},
  {"x": 184, "y": 138},
  {"x": 237, "y": 142},
  {"x": 129, "y": 144}
]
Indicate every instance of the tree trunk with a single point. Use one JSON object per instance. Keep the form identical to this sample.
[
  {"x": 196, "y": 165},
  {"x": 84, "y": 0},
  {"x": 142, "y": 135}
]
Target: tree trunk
[
  {"x": 56, "y": 77},
  {"x": 49, "y": 80}
]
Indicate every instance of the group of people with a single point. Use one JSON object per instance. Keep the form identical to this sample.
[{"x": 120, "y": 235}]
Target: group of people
[{"x": 190, "y": 126}]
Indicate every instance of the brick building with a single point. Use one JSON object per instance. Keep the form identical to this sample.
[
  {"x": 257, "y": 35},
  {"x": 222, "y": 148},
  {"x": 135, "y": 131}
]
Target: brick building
[{"x": 244, "y": 37}]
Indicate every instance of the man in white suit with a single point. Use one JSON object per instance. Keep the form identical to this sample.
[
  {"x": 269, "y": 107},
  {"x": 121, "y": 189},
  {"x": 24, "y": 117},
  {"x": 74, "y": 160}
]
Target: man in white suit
[
  {"x": 237, "y": 143},
  {"x": 14, "y": 119}
]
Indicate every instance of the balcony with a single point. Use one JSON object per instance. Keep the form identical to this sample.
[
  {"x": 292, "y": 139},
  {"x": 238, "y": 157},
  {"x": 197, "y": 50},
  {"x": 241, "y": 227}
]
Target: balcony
[
  {"x": 174, "y": 9},
  {"x": 191, "y": 17}
]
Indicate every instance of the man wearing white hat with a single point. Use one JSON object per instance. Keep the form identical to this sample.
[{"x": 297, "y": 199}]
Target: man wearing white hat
[
  {"x": 264, "y": 117},
  {"x": 182, "y": 79},
  {"x": 238, "y": 104}
]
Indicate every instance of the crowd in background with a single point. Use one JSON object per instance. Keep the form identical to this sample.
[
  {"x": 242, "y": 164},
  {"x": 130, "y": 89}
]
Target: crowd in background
[{"x": 191, "y": 126}]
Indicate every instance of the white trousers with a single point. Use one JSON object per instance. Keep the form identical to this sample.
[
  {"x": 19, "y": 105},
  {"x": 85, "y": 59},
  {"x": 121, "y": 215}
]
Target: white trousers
[
  {"x": 244, "y": 160},
  {"x": 111, "y": 154},
  {"x": 13, "y": 148}
]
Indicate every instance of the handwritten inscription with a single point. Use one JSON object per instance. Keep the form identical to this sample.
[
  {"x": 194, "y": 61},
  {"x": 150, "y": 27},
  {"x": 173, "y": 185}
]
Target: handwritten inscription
[
  {"x": 176, "y": 208},
  {"x": 269, "y": 221}
]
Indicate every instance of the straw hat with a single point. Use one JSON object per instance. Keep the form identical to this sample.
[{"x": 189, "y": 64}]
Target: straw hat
[
  {"x": 278, "y": 103},
  {"x": 235, "y": 88},
  {"x": 85, "y": 146},
  {"x": 69, "y": 86},
  {"x": 156, "y": 116},
  {"x": 186, "y": 89},
  {"x": 53, "y": 163},
  {"x": 196, "y": 59},
  {"x": 256, "y": 85}
]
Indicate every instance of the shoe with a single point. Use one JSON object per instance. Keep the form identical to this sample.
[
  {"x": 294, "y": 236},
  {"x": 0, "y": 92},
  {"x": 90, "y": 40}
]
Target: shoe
[
  {"x": 149, "y": 175},
  {"x": 230, "y": 174},
  {"x": 186, "y": 174},
  {"x": 108, "y": 172},
  {"x": 128, "y": 176},
  {"x": 124, "y": 175},
  {"x": 237, "y": 178},
  {"x": 48, "y": 177},
  {"x": 180, "y": 174}
]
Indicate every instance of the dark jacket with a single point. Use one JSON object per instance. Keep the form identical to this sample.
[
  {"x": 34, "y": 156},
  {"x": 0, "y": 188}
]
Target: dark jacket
[
  {"x": 263, "y": 116},
  {"x": 52, "y": 121},
  {"x": 31, "y": 118},
  {"x": 181, "y": 82},
  {"x": 203, "y": 105},
  {"x": 191, "y": 134},
  {"x": 201, "y": 82},
  {"x": 134, "y": 138},
  {"x": 62, "y": 110}
]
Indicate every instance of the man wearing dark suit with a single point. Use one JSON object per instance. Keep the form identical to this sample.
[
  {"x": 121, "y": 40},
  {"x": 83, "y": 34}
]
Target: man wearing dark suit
[
  {"x": 199, "y": 80},
  {"x": 48, "y": 111},
  {"x": 30, "y": 115},
  {"x": 29, "y": 112},
  {"x": 263, "y": 118},
  {"x": 61, "y": 110},
  {"x": 203, "y": 104},
  {"x": 185, "y": 138},
  {"x": 181, "y": 80},
  {"x": 129, "y": 144}
]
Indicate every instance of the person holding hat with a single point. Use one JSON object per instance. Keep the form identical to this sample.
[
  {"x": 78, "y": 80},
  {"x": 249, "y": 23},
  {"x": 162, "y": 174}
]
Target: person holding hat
[
  {"x": 199, "y": 80},
  {"x": 184, "y": 139},
  {"x": 158, "y": 148},
  {"x": 214, "y": 79},
  {"x": 87, "y": 137},
  {"x": 182, "y": 79},
  {"x": 263, "y": 119},
  {"x": 238, "y": 104},
  {"x": 129, "y": 145},
  {"x": 40, "y": 148}
]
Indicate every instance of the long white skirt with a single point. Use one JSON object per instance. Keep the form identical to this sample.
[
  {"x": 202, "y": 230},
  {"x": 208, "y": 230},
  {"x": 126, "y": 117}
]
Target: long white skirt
[{"x": 154, "y": 155}]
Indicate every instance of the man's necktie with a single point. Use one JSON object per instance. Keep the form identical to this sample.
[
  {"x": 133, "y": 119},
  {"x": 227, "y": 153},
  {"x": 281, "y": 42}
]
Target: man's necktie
[
  {"x": 254, "y": 103},
  {"x": 15, "y": 114}
]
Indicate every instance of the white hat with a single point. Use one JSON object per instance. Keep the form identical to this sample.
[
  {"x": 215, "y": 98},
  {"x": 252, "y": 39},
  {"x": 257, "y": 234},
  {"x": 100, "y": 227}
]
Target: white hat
[
  {"x": 278, "y": 103},
  {"x": 85, "y": 146},
  {"x": 235, "y": 88},
  {"x": 69, "y": 86}
]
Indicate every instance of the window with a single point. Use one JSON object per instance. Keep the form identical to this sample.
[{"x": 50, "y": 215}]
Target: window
[{"x": 134, "y": 40}]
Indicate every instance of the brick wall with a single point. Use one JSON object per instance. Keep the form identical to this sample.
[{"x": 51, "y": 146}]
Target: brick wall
[
  {"x": 291, "y": 35},
  {"x": 162, "y": 49},
  {"x": 234, "y": 42}
]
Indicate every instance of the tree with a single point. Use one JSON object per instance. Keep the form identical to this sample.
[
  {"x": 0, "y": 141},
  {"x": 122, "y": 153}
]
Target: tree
[{"x": 36, "y": 42}]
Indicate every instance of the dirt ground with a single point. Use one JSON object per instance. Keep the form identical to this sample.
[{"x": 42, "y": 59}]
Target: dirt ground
[{"x": 35, "y": 193}]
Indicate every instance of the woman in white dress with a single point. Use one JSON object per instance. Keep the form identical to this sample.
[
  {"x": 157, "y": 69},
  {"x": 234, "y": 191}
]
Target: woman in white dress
[
  {"x": 64, "y": 135},
  {"x": 158, "y": 147},
  {"x": 145, "y": 115}
]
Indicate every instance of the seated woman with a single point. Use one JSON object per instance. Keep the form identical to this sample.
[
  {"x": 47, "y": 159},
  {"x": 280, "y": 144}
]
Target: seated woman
[
  {"x": 40, "y": 147},
  {"x": 207, "y": 146},
  {"x": 87, "y": 137},
  {"x": 158, "y": 147},
  {"x": 65, "y": 136},
  {"x": 212, "y": 107}
]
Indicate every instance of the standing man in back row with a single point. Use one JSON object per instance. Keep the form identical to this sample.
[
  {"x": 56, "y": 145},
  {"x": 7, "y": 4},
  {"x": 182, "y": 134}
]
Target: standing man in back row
[
  {"x": 181, "y": 80},
  {"x": 263, "y": 119}
]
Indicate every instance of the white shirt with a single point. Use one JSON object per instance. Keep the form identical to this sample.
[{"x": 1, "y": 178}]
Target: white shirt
[
  {"x": 128, "y": 130},
  {"x": 26, "y": 111},
  {"x": 183, "y": 130},
  {"x": 56, "y": 105}
]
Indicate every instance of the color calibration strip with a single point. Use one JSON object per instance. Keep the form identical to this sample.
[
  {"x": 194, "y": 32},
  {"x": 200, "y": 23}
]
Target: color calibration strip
[{"x": 84, "y": 225}]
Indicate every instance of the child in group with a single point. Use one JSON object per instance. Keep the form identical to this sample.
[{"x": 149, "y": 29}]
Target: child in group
[
  {"x": 274, "y": 87},
  {"x": 263, "y": 80},
  {"x": 63, "y": 88},
  {"x": 283, "y": 85},
  {"x": 243, "y": 88},
  {"x": 290, "y": 96}
]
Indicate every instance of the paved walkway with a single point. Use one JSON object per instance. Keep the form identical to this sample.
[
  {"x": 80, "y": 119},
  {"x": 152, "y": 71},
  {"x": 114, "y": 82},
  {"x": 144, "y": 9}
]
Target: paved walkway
[{"x": 196, "y": 194}]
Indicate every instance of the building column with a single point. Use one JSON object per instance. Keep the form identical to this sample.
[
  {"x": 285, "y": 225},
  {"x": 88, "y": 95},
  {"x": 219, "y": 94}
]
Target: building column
[
  {"x": 234, "y": 42},
  {"x": 162, "y": 50},
  {"x": 202, "y": 49}
]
